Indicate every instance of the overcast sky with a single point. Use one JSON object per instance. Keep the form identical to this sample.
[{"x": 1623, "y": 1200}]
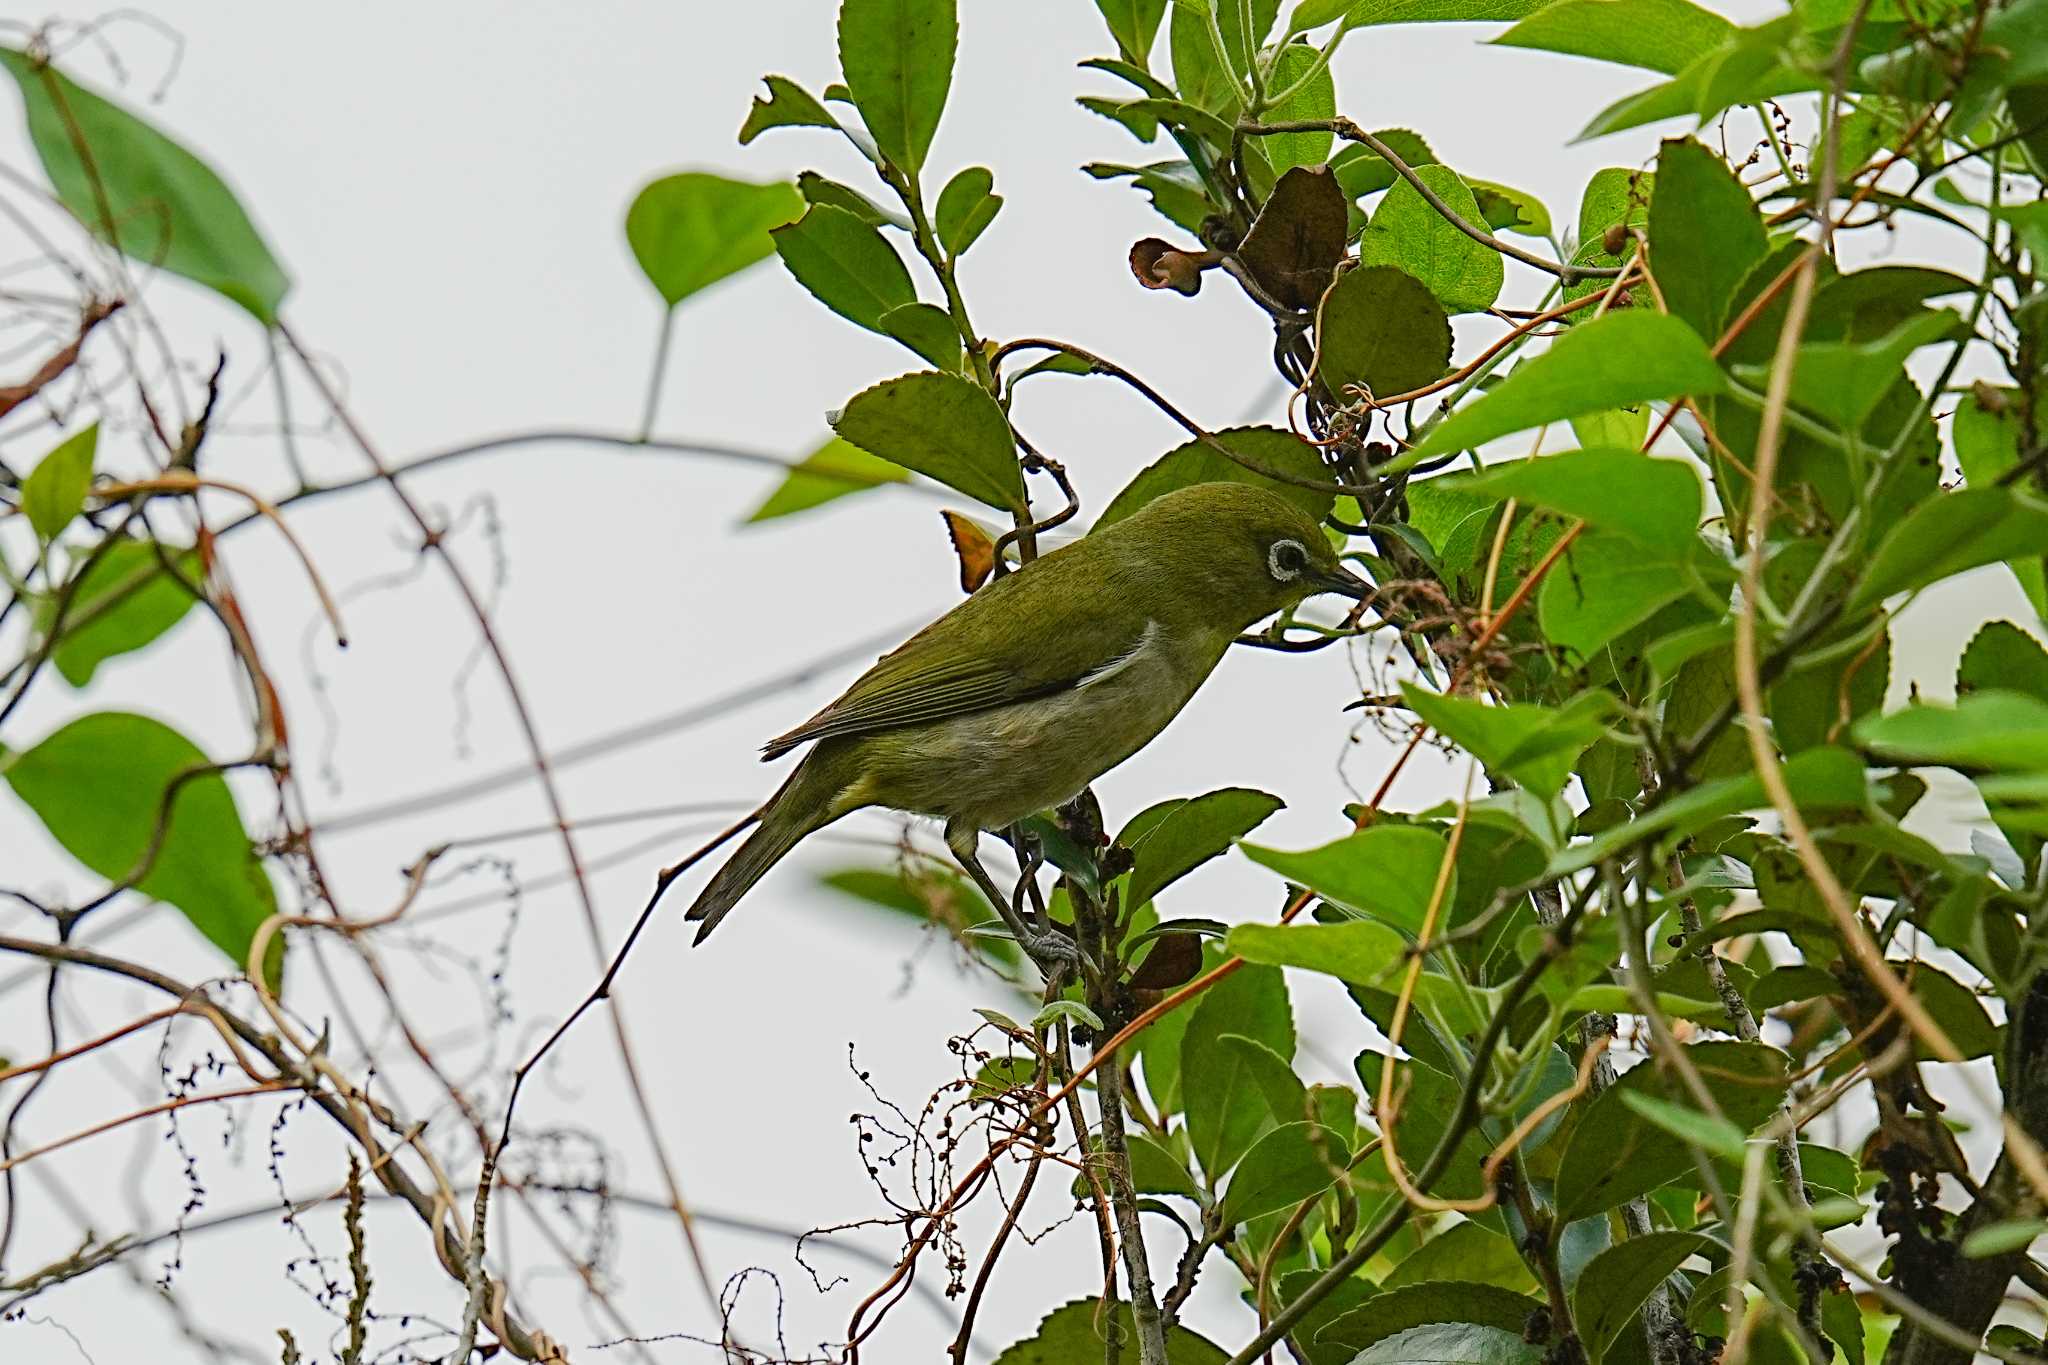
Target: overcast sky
[{"x": 446, "y": 185}]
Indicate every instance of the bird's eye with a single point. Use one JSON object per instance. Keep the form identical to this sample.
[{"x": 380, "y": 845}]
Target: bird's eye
[{"x": 1286, "y": 559}]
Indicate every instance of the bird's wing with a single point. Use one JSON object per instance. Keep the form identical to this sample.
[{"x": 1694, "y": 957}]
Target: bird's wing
[{"x": 981, "y": 655}]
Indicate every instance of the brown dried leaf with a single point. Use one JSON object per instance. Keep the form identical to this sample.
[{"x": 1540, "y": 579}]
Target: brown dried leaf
[
  {"x": 1173, "y": 961},
  {"x": 1299, "y": 236},
  {"x": 976, "y": 550},
  {"x": 1161, "y": 265}
]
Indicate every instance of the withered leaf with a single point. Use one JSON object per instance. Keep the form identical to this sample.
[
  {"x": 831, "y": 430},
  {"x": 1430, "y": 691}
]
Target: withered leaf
[
  {"x": 1173, "y": 961},
  {"x": 976, "y": 550},
  {"x": 1298, "y": 237},
  {"x": 1162, "y": 265}
]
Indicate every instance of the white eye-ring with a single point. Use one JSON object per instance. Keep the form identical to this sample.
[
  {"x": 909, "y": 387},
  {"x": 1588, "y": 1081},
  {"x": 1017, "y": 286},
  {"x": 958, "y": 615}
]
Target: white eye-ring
[{"x": 1286, "y": 559}]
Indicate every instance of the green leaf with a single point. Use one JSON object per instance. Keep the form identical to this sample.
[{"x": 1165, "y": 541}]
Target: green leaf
[
  {"x": 1197, "y": 462},
  {"x": 833, "y": 470},
  {"x": 1226, "y": 1109},
  {"x": 1286, "y": 1097},
  {"x": 1394, "y": 1311},
  {"x": 928, "y": 895},
  {"x": 1660, "y": 35},
  {"x": 1071, "y": 1010},
  {"x": 1750, "y": 65},
  {"x": 1381, "y": 330},
  {"x": 146, "y": 602},
  {"x": 100, "y": 784},
  {"x": 1716, "y": 1136},
  {"x": 1200, "y": 77},
  {"x": 1615, "y": 194},
  {"x": 146, "y": 195},
  {"x": 845, "y": 264},
  {"x": 2005, "y": 731},
  {"x": 1154, "y": 1169},
  {"x": 1173, "y": 838},
  {"x": 1386, "y": 871},
  {"x": 1069, "y": 1334},
  {"x": 1134, "y": 24},
  {"x": 1605, "y": 585},
  {"x": 1705, "y": 233},
  {"x": 1347, "y": 1295},
  {"x": 1358, "y": 951},
  {"x": 1616, "y": 1154},
  {"x": 944, "y": 427},
  {"x": 694, "y": 229},
  {"x": 1452, "y": 1343},
  {"x": 1987, "y": 434},
  {"x": 1295, "y": 1161},
  {"x": 1625, "y": 358},
  {"x": 1405, "y": 231},
  {"x": 966, "y": 207},
  {"x": 1507, "y": 209},
  {"x": 1361, "y": 172},
  {"x": 1365, "y": 13},
  {"x": 1464, "y": 1251},
  {"x": 1654, "y": 502},
  {"x": 1843, "y": 382},
  {"x": 1996, "y": 1239},
  {"x": 1535, "y": 745},
  {"x": 927, "y": 330},
  {"x": 1317, "y": 100},
  {"x": 54, "y": 491},
  {"x": 898, "y": 60},
  {"x": 788, "y": 105},
  {"x": 1822, "y": 778},
  {"x": 2004, "y": 657},
  {"x": 816, "y": 189},
  {"x": 1946, "y": 535},
  {"x": 1618, "y": 1281}
]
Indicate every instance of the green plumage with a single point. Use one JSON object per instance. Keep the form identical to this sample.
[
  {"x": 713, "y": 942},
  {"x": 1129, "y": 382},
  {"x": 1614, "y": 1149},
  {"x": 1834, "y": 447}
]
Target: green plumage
[{"x": 1044, "y": 679}]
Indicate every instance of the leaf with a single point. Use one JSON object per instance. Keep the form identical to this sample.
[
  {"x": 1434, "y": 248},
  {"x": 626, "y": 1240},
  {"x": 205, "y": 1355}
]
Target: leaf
[
  {"x": 1394, "y": 1311},
  {"x": 99, "y": 785},
  {"x": 2004, "y": 657},
  {"x": 1996, "y": 1239},
  {"x": 1347, "y": 1295},
  {"x": 1134, "y": 24},
  {"x": 1173, "y": 187},
  {"x": 1154, "y": 1169},
  {"x": 1452, "y": 1343},
  {"x": 1383, "y": 331},
  {"x": 788, "y": 105},
  {"x": 973, "y": 546},
  {"x": 1286, "y": 1097},
  {"x": 1364, "y": 13},
  {"x": 1660, "y": 35},
  {"x": 146, "y": 602},
  {"x": 692, "y": 230},
  {"x": 149, "y": 197},
  {"x": 1464, "y": 1251},
  {"x": 1615, "y": 194},
  {"x": 845, "y": 264},
  {"x": 816, "y": 189},
  {"x": 1359, "y": 951},
  {"x": 1201, "y": 78},
  {"x": 898, "y": 59},
  {"x": 1172, "y": 839},
  {"x": 944, "y": 427},
  {"x": 1715, "y": 1136},
  {"x": 833, "y": 470},
  {"x": 1843, "y": 382},
  {"x": 1987, "y": 434},
  {"x": 1316, "y": 100},
  {"x": 1748, "y": 66},
  {"x": 1386, "y": 871},
  {"x": 1361, "y": 172},
  {"x": 1616, "y": 1154},
  {"x": 1535, "y": 745},
  {"x": 1069, "y": 1334},
  {"x": 1225, "y": 1107},
  {"x": 966, "y": 207},
  {"x": 1654, "y": 502},
  {"x": 1407, "y": 232},
  {"x": 1295, "y": 1161},
  {"x": 1605, "y": 585},
  {"x": 1946, "y": 535},
  {"x": 927, "y": 330},
  {"x": 1633, "y": 356},
  {"x": 1507, "y": 209},
  {"x": 1705, "y": 233},
  {"x": 1618, "y": 1281},
  {"x": 1822, "y": 778},
  {"x": 1298, "y": 237},
  {"x": 55, "y": 489},
  {"x": 929, "y": 895},
  {"x": 1071, "y": 1010},
  {"x": 2006, "y": 731},
  {"x": 1198, "y": 462}
]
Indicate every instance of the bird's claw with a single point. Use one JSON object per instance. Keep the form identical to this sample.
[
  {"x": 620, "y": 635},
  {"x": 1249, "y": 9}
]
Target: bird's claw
[{"x": 1051, "y": 950}]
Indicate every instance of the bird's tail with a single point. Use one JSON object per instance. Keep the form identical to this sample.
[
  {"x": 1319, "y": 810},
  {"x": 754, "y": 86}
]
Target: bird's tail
[{"x": 804, "y": 803}]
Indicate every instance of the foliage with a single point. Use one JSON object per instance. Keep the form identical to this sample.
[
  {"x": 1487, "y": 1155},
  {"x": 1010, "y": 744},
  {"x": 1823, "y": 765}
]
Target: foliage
[{"x": 1661, "y": 650}]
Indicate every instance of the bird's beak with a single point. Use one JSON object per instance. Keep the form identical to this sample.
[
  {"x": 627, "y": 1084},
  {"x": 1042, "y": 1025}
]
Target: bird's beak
[{"x": 1346, "y": 582}]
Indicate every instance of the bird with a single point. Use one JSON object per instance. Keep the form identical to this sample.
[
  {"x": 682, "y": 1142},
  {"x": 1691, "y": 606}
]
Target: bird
[{"x": 1041, "y": 681}]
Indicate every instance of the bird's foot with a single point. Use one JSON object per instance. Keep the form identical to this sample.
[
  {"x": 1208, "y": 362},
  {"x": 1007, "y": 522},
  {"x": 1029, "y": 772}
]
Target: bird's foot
[{"x": 1051, "y": 949}]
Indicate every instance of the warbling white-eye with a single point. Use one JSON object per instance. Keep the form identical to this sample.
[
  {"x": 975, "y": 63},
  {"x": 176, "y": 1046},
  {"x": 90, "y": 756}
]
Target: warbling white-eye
[{"x": 1042, "y": 681}]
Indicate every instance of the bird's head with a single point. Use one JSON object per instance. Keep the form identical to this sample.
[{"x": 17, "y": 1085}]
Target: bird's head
[{"x": 1250, "y": 551}]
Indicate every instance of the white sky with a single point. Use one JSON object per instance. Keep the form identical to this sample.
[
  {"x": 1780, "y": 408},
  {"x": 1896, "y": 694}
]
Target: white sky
[{"x": 446, "y": 184}]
